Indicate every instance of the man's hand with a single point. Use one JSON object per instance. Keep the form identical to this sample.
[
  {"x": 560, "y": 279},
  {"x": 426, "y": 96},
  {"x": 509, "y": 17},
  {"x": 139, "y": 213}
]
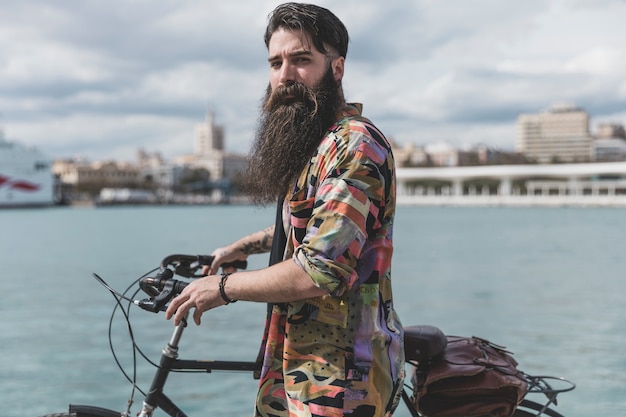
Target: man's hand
[
  {"x": 222, "y": 255},
  {"x": 202, "y": 294},
  {"x": 257, "y": 242}
]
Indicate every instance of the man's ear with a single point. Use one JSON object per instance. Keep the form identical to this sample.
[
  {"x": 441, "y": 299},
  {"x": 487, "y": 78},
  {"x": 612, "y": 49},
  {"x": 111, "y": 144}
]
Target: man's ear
[{"x": 338, "y": 66}]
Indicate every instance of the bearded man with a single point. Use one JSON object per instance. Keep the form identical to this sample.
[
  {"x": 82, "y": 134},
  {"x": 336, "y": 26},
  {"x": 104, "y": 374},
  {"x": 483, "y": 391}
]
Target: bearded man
[{"x": 333, "y": 343}]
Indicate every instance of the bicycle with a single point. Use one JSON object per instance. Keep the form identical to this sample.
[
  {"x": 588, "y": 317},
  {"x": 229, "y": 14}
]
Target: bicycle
[{"x": 423, "y": 343}]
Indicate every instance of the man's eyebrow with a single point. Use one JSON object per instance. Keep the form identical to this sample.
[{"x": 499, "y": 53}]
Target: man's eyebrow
[{"x": 302, "y": 52}]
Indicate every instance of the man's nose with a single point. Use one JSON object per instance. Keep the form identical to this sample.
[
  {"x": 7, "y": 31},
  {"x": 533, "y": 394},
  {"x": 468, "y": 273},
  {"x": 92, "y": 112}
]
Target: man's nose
[{"x": 287, "y": 74}]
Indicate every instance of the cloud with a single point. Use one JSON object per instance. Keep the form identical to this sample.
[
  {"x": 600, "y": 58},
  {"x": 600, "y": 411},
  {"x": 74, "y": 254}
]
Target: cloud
[{"x": 101, "y": 79}]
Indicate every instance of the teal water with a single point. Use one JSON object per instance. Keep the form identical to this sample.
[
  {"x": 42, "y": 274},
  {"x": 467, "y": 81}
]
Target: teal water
[{"x": 546, "y": 282}]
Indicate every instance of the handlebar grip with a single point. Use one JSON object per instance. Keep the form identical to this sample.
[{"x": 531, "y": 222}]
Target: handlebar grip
[
  {"x": 208, "y": 260},
  {"x": 189, "y": 265}
]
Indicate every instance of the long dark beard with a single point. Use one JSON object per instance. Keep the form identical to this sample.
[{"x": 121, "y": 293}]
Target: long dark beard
[{"x": 293, "y": 121}]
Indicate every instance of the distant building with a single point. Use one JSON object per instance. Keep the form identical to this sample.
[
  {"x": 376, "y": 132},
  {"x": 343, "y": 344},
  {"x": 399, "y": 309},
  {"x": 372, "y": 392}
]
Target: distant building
[
  {"x": 609, "y": 149},
  {"x": 560, "y": 134},
  {"x": 207, "y": 174},
  {"x": 610, "y": 143},
  {"x": 611, "y": 130},
  {"x": 149, "y": 159},
  {"x": 72, "y": 171},
  {"x": 83, "y": 179},
  {"x": 159, "y": 174},
  {"x": 442, "y": 154},
  {"x": 409, "y": 155},
  {"x": 432, "y": 154},
  {"x": 209, "y": 152},
  {"x": 209, "y": 137}
]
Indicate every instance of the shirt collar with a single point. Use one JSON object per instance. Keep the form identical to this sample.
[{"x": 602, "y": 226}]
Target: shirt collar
[{"x": 352, "y": 109}]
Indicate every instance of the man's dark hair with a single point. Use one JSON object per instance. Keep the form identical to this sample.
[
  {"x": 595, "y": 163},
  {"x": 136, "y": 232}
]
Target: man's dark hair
[{"x": 324, "y": 28}]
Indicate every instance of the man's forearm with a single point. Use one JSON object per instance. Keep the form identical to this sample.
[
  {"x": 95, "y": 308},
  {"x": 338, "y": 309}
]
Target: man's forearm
[
  {"x": 258, "y": 242},
  {"x": 279, "y": 283}
]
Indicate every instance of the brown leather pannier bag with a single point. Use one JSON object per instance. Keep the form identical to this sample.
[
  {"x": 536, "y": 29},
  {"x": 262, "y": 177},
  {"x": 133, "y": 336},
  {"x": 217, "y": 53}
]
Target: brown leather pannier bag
[{"x": 472, "y": 378}]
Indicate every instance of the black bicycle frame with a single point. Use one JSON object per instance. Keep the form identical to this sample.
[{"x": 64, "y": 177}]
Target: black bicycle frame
[{"x": 169, "y": 362}]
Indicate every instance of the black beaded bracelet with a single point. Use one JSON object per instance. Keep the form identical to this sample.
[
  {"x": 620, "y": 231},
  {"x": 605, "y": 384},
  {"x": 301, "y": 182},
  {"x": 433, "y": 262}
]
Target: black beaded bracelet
[{"x": 222, "y": 292}]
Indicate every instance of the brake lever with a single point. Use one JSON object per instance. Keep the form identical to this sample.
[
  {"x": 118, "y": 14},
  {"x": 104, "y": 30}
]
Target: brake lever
[
  {"x": 171, "y": 288},
  {"x": 158, "y": 303},
  {"x": 190, "y": 270},
  {"x": 159, "y": 298}
]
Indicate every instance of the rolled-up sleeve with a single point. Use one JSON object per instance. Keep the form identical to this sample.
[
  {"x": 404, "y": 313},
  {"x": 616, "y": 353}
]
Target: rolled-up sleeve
[{"x": 339, "y": 221}]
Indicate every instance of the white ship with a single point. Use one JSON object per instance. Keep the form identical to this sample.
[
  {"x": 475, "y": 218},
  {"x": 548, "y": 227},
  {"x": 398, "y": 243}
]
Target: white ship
[{"x": 26, "y": 178}]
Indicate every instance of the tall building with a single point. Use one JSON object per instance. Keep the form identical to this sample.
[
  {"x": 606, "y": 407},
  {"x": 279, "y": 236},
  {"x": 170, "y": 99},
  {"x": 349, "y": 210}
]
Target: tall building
[
  {"x": 209, "y": 136},
  {"x": 209, "y": 152},
  {"x": 558, "y": 134}
]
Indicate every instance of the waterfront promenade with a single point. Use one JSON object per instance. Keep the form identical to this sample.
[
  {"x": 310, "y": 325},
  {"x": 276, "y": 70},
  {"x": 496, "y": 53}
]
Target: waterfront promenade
[{"x": 589, "y": 184}]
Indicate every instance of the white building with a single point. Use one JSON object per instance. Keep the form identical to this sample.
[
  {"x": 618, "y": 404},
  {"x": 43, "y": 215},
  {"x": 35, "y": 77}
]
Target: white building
[
  {"x": 209, "y": 152},
  {"x": 209, "y": 137},
  {"x": 609, "y": 149},
  {"x": 85, "y": 173},
  {"x": 558, "y": 134}
]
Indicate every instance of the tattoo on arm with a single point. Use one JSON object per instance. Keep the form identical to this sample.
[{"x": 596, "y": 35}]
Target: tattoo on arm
[{"x": 260, "y": 245}]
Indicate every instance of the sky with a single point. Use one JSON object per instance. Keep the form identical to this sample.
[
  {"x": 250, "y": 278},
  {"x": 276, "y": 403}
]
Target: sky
[{"x": 101, "y": 79}]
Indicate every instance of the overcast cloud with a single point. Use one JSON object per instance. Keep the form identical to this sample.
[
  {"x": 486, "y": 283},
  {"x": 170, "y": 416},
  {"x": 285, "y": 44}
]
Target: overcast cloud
[{"x": 100, "y": 79}]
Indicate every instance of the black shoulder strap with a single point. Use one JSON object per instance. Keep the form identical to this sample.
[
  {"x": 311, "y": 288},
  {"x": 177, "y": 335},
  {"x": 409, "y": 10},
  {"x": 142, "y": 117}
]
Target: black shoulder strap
[{"x": 279, "y": 241}]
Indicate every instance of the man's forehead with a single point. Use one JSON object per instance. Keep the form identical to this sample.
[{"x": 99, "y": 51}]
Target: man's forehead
[{"x": 293, "y": 39}]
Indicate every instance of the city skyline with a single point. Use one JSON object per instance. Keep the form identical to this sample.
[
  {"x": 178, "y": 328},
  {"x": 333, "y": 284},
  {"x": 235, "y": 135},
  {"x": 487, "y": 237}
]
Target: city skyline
[
  {"x": 205, "y": 144},
  {"x": 101, "y": 80}
]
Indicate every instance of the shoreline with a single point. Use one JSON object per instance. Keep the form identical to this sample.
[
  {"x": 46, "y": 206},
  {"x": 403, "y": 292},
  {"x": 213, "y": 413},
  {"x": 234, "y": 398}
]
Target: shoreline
[
  {"x": 514, "y": 201},
  {"x": 616, "y": 201}
]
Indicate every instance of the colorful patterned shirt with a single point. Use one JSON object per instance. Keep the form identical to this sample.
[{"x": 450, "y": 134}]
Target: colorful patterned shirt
[{"x": 342, "y": 353}]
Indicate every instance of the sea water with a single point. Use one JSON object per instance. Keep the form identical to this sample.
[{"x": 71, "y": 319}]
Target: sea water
[{"x": 549, "y": 283}]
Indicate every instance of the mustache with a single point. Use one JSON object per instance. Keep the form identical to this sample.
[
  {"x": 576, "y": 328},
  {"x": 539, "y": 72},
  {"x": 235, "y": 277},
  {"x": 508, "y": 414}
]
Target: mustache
[{"x": 292, "y": 93}]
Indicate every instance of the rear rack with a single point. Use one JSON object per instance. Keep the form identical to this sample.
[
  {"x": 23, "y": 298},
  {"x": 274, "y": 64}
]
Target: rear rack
[{"x": 549, "y": 386}]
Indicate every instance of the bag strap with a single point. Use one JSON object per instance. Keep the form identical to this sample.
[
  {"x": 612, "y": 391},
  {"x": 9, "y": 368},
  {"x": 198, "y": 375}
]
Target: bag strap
[{"x": 279, "y": 242}]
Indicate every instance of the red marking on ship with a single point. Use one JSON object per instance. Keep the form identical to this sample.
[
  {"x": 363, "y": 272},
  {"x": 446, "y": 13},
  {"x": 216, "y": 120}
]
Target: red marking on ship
[{"x": 19, "y": 185}]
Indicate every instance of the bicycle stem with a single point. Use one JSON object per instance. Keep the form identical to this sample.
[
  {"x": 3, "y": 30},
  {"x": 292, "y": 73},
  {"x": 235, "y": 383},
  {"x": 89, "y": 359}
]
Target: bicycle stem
[
  {"x": 155, "y": 397},
  {"x": 171, "y": 349}
]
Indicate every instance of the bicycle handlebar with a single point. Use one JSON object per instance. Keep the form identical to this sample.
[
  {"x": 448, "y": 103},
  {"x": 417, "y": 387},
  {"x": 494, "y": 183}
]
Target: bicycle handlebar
[
  {"x": 188, "y": 265},
  {"x": 162, "y": 288}
]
